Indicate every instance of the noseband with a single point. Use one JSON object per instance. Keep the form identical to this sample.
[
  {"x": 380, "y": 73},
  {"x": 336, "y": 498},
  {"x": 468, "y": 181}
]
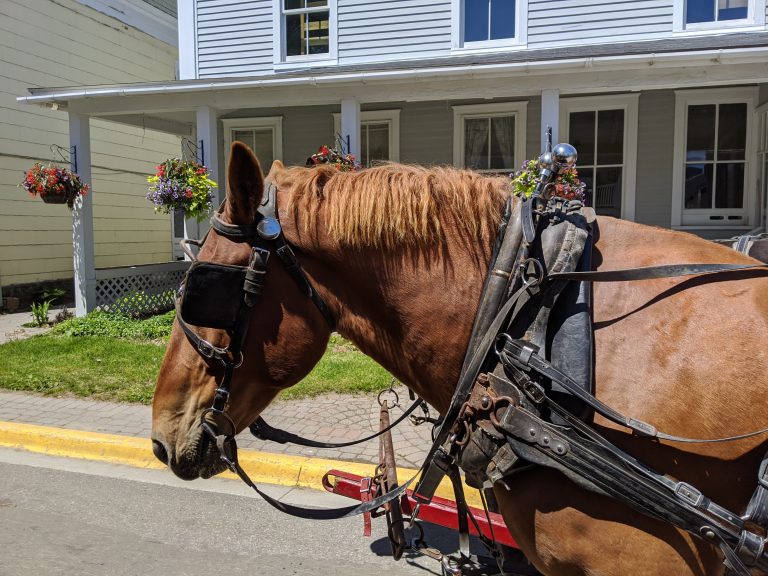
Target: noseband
[{"x": 236, "y": 290}]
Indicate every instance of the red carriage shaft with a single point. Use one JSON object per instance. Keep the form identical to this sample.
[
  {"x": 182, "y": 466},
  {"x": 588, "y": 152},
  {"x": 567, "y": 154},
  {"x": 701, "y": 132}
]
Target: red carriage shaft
[{"x": 440, "y": 511}]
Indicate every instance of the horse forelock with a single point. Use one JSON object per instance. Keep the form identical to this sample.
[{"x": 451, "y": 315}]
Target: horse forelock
[{"x": 395, "y": 204}]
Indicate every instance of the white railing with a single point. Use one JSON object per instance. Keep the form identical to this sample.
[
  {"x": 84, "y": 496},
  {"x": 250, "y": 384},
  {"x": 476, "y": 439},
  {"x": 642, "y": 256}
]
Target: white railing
[{"x": 139, "y": 290}]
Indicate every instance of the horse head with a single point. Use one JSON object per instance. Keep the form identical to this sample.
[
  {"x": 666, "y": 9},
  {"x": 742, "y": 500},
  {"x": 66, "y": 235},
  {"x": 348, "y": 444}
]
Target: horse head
[{"x": 285, "y": 338}]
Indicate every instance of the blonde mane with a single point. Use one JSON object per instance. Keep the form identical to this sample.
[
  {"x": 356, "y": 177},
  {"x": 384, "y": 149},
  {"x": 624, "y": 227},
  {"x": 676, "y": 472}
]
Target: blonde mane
[{"x": 396, "y": 204}]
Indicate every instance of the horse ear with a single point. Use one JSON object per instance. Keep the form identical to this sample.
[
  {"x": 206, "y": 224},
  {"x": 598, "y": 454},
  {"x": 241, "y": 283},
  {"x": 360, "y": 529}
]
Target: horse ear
[{"x": 245, "y": 185}]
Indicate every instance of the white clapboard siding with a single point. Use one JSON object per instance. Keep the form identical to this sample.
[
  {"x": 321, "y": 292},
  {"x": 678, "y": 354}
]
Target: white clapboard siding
[
  {"x": 45, "y": 43},
  {"x": 234, "y": 38},
  {"x": 381, "y": 30},
  {"x": 577, "y": 22}
]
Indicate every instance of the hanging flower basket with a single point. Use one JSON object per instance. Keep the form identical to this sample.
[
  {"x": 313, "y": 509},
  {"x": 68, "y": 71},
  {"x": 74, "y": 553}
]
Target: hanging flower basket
[
  {"x": 54, "y": 185},
  {"x": 567, "y": 184},
  {"x": 181, "y": 185},
  {"x": 342, "y": 162}
]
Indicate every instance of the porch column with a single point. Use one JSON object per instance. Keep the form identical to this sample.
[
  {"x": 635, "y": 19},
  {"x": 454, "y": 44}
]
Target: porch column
[
  {"x": 350, "y": 125},
  {"x": 82, "y": 216},
  {"x": 550, "y": 116},
  {"x": 208, "y": 155}
]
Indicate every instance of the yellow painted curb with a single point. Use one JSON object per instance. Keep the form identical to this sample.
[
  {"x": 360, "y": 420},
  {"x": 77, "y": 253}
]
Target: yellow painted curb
[{"x": 262, "y": 467}]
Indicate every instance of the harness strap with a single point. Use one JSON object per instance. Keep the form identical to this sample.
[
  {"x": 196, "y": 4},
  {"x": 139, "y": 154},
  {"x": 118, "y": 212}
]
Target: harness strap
[
  {"x": 595, "y": 464},
  {"x": 293, "y": 268},
  {"x": 652, "y": 272},
  {"x": 521, "y": 354},
  {"x": 263, "y": 431},
  {"x": 757, "y": 509},
  {"x": 228, "y": 454},
  {"x": 438, "y": 460}
]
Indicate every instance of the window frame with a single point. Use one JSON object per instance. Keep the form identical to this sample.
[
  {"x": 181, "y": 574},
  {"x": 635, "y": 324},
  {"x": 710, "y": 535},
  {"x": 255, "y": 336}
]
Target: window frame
[
  {"x": 755, "y": 20},
  {"x": 690, "y": 218},
  {"x": 390, "y": 117},
  {"x": 280, "y": 57},
  {"x": 519, "y": 41},
  {"x": 255, "y": 123},
  {"x": 628, "y": 103},
  {"x": 518, "y": 109}
]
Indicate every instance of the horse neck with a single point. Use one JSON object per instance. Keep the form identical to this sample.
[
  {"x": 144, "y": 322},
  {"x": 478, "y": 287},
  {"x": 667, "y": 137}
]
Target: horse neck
[{"x": 409, "y": 309}]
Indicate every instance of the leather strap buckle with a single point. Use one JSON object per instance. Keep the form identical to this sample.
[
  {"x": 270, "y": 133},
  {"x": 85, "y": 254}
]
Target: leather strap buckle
[
  {"x": 206, "y": 348},
  {"x": 690, "y": 494}
]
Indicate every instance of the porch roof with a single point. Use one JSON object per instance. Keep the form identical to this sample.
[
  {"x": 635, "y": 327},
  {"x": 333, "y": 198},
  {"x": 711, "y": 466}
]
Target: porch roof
[{"x": 740, "y": 58}]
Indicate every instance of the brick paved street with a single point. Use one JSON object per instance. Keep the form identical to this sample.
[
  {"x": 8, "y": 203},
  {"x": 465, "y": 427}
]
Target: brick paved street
[{"x": 331, "y": 417}]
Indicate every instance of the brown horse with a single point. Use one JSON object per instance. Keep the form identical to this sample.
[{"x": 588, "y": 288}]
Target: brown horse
[{"x": 400, "y": 253}]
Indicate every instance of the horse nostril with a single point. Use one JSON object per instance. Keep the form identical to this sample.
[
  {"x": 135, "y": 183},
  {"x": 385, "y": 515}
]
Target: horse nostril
[{"x": 159, "y": 450}]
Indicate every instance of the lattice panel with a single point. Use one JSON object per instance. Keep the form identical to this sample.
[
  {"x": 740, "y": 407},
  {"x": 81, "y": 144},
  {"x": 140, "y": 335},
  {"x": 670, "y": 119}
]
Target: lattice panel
[{"x": 138, "y": 294}]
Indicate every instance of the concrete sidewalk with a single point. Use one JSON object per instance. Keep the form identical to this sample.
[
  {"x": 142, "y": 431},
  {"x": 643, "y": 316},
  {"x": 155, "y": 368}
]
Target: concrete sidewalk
[{"x": 12, "y": 326}]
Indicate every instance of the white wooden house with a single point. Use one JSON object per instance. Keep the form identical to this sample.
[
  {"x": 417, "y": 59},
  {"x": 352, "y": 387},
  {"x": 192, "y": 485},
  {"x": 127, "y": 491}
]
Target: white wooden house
[
  {"x": 666, "y": 100},
  {"x": 64, "y": 42}
]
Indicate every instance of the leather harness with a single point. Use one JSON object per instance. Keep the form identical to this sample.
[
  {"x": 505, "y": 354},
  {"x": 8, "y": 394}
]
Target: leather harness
[{"x": 503, "y": 386}]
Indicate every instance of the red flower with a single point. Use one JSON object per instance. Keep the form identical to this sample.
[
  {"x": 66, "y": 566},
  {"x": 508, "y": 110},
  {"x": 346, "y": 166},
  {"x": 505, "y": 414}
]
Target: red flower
[{"x": 189, "y": 193}]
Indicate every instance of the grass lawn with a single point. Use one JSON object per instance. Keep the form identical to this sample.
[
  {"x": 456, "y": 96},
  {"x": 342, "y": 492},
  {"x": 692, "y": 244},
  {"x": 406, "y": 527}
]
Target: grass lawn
[{"x": 124, "y": 369}]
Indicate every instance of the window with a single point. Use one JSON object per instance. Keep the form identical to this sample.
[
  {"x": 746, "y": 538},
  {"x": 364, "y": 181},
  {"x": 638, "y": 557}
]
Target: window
[
  {"x": 713, "y": 158},
  {"x": 262, "y": 135},
  {"x": 488, "y": 24},
  {"x": 306, "y": 30},
  {"x": 714, "y": 10},
  {"x": 604, "y": 132},
  {"x": 379, "y": 136},
  {"x": 693, "y": 15},
  {"x": 489, "y": 137}
]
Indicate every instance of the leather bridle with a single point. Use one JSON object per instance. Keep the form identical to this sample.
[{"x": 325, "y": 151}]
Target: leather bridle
[{"x": 265, "y": 237}]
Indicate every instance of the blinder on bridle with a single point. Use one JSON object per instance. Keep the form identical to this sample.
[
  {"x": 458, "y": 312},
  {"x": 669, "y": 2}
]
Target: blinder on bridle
[{"x": 222, "y": 296}]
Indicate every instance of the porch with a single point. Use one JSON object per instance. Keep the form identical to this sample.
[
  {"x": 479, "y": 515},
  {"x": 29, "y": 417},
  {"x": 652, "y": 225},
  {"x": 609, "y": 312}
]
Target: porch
[{"x": 432, "y": 116}]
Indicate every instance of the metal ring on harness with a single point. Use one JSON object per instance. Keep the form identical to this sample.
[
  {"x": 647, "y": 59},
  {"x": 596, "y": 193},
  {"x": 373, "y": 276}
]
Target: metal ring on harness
[
  {"x": 397, "y": 398},
  {"x": 538, "y": 269}
]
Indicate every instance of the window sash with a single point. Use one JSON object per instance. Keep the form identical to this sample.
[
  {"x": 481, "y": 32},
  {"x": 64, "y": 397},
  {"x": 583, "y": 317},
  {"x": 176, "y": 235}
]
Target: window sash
[
  {"x": 713, "y": 177},
  {"x": 488, "y": 146},
  {"x": 314, "y": 38},
  {"x": 604, "y": 196},
  {"x": 488, "y": 29},
  {"x": 365, "y": 141}
]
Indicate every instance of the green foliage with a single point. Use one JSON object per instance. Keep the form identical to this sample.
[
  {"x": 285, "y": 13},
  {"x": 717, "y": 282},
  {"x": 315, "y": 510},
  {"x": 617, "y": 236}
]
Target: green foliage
[
  {"x": 343, "y": 369},
  {"x": 40, "y": 312},
  {"x": 182, "y": 185},
  {"x": 53, "y": 293},
  {"x": 116, "y": 357},
  {"x": 100, "y": 368},
  {"x": 139, "y": 303},
  {"x": 118, "y": 326}
]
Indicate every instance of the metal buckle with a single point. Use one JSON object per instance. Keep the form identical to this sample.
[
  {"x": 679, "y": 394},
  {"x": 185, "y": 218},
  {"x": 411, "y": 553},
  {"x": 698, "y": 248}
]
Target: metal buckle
[
  {"x": 534, "y": 391},
  {"x": 263, "y": 252},
  {"x": 206, "y": 348},
  {"x": 690, "y": 494}
]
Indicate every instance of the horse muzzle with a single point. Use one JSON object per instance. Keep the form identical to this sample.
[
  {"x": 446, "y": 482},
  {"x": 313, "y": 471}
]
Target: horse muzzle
[{"x": 197, "y": 457}]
